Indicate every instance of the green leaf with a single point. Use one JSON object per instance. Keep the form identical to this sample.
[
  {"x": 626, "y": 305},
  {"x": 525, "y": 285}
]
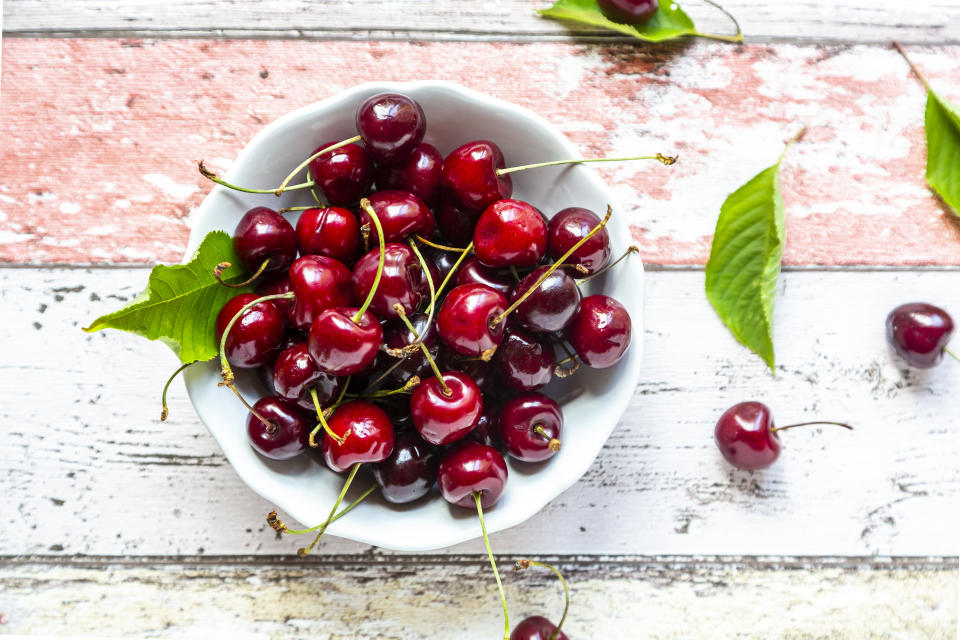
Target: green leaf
[
  {"x": 745, "y": 261},
  {"x": 670, "y": 21},
  {"x": 180, "y": 304},
  {"x": 942, "y": 123}
]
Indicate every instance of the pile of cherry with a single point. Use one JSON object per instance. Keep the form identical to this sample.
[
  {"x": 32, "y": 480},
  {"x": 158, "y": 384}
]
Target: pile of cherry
[{"x": 421, "y": 319}]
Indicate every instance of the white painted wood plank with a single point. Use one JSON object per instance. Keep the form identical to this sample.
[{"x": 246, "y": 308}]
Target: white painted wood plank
[
  {"x": 89, "y": 469},
  {"x": 817, "y": 20},
  {"x": 609, "y": 600}
]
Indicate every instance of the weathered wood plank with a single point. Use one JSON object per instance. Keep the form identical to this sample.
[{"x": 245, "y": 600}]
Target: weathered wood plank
[
  {"x": 934, "y": 21},
  {"x": 90, "y": 470},
  {"x": 458, "y": 600},
  {"x": 103, "y": 135}
]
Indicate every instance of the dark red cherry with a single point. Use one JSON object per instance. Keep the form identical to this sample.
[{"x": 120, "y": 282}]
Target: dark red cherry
[
  {"x": 319, "y": 283},
  {"x": 419, "y": 173},
  {"x": 537, "y": 628},
  {"x": 397, "y": 407},
  {"x": 483, "y": 373},
  {"x": 329, "y": 231},
  {"x": 402, "y": 281},
  {"x": 469, "y": 467},
  {"x": 344, "y": 175},
  {"x": 570, "y": 226},
  {"x": 510, "y": 232},
  {"x": 487, "y": 429},
  {"x": 600, "y": 331},
  {"x": 472, "y": 272},
  {"x": 634, "y": 12},
  {"x": 531, "y": 426},
  {"x": 746, "y": 437},
  {"x": 463, "y": 320},
  {"x": 391, "y": 125},
  {"x": 396, "y": 335},
  {"x": 442, "y": 260},
  {"x": 285, "y": 436},
  {"x": 456, "y": 224},
  {"x": 276, "y": 285},
  {"x": 919, "y": 332},
  {"x": 295, "y": 374},
  {"x": 410, "y": 471},
  {"x": 525, "y": 361},
  {"x": 551, "y": 306},
  {"x": 367, "y": 434},
  {"x": 340, "y": 346},
  {"x": 470, "y": 179},
  {"x": 401, "y": 214},
  {"x": 255, "y": 337},
  {"x": 263, "y": 234},
  {"x": 441, "y": 419}
]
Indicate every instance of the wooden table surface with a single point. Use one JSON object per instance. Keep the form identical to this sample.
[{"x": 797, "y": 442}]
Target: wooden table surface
[{"x": 113, "y": 523}]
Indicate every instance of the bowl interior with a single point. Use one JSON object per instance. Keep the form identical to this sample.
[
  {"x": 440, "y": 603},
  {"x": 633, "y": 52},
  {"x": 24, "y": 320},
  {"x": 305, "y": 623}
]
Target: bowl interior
[{"x": 593, "y": 400}]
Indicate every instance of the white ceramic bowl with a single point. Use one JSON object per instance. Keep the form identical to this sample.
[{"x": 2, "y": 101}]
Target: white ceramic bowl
[{"x": 593, "y": 401}]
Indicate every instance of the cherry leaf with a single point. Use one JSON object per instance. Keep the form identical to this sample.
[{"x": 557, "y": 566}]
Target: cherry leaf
[
  {"x": 669, "y": 22},
  {"x": 942, "y": 122},
  {"x": 179, "y": 307}
]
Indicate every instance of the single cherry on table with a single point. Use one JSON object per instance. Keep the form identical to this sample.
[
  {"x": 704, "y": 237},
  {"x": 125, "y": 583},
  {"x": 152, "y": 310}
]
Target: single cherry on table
[{"x": 919, "y": 333}]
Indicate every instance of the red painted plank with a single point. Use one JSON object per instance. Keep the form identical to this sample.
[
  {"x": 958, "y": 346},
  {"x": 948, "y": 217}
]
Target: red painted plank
[{"x": 101, "y": 135}]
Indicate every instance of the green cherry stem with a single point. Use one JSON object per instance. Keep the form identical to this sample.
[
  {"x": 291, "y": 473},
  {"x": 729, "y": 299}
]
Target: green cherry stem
[
  {"x": 302, "y": 208},
  {"x": 323, "y": 422},
  {"x": 561, "y": 371},
  {"x": 913, "y": 67},
  {"x": 383, "y": 254},
  {"x": 283, "y": 185},
  {"x": 453, "y": 270},
  {"x": 163, "y": 397},
  {"x": 495, "y": 321},
  {"x": 279, "y": 526},
  {"x": 807, "y": 424},
  {"x": 737, "y": 37},
  {"x": 526, "y": 564},
  {"x": 313, "y": 191},
  {"x": 493, "y": 563},
  {"x": 410, "y": 348},
  {"x": 951, "y": 354},
  {"x": 552, "y": 443},
  {"x": 383, "y": 393},
  {"x": 441, "y": 247},
  {"x": 631, "y": 249},
  {"x": 220, "y": 268},
  {"x": 210, "y": 175},
  {"x": 667, "y": 160},
  {"x": 225, "y": 371},
  {"x": 444, "y": 389},
  {"x": 323, "y": 527}
]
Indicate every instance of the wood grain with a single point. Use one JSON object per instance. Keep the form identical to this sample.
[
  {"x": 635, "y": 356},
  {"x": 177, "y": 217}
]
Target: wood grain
[
  {"x": 932, "y": 21},
  {"x": 92, "y": 471}
]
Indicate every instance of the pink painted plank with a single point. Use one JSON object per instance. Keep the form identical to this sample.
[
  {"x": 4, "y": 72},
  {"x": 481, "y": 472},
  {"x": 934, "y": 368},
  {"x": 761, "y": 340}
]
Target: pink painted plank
[{"x": 101, "y": 135}]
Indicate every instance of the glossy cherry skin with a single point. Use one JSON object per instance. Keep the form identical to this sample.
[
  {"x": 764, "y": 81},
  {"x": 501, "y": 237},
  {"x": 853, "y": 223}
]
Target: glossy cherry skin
[
  {"x": 569, "y": 227},
  {"x": 341, "y": 347},
  {"x": 519, "y": 420},
  {"x": 472, "y": 272},
  {"x": 455, "y": 223},
  {"x": 919, "y": 332},
  {"x": 551, "y": 306},
  {"x": 344, "y": 175},
  {"x": 442, "y": 419},
  {"x": 510, "y": 232},
  {"x": 470, "y": 179},
  {"x": 634, "y": 12},
  {"x": 367, "y": 433},
  {"x": 483, "y": 373},
  {"x": 525, "y": 361},
  {"x": 295, "y": 374},
  {"x": 263, "y": 234},
  {"x": 536, "y": 628},
  {"x": 463, "y": 320},
  {"x": 396, "y": 335},
  {"x": 745, "y": 436},
  {"x": 391, "y": 125},
  {"x": 442, "y": 260},
  {"x": 410, "y": 471},
  {"x": 419, "y": 173},
  {"x": 329, "y": 231},
  {"x": 401, "y": 214},
  {"x": 402, "y": 282},
  {"x": 276, "y": 285},
  {"x": 319, "y": 283},
  {"x": 487, "y": 429},
  {"x": 469, "y": 467},
  {"x": 600, "y": 331},
  {"x": 255, "y": 337},
  {"x": 287, "y": 434}
]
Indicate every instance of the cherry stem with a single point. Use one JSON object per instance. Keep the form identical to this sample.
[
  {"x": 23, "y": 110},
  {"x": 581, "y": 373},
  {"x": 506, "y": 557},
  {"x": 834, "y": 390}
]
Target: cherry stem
[
  {"x": 313, "y": 192},
  {"x": 383, "y": 254},
  {"x": 280, "y": 527},
  {"x": 383, "y": 393},
  {"x": 493, "y": 563},
  {"x": 807, "y": 424},
  {"x": 164, "y": 412},
  {"x": 536, "y": 285},
  {"x": 913, "y": 67},
  {"x": 271, "y": 427},
  {"x": 561, "y": 371},
  {"x": 410, "y": 348},
  {"x": 283, "y": 185},
  {"x": 225, "y": 371},
  {"x": 426, "y": 352},
  {"x": 526, "y": 564},
  {"x": 323, "y": 528},
  {"x": 513, "y": 272},
  {"x": 552, "y": 443},
  {"x": 631, "y": 249},
  {"x": 737, "y": 37},
  {"x": 218, "y": 274},
  {"x": 323, "y": 422},
  {"x": 210, "y": 175},
  {"x": 945, "y": 350},
  {"x": 401, "y": 355},
  {"x": 453, "y": 270},
  {"x": 303, "y": 208},
  {"x": 441, "y": 247},
  {"x": 667, "y": 160}
]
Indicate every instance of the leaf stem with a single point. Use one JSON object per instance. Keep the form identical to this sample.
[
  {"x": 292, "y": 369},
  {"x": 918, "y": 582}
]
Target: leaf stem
[
  {"x": 913, "y": 67},
  {"x": 163, "y": 397},
  {"x": 283, "y": 185},
  {"x": 493, "y": 563},
  {"x": 737, "y": 37},
  {"x": 667, "y": 160},
  {"x": 383, "y": 254}
]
